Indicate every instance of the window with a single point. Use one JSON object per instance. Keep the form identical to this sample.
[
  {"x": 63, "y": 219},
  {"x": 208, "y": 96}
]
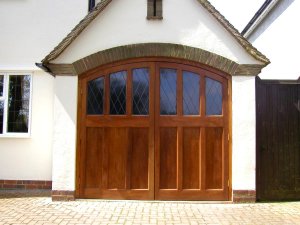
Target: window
[
  {"x": 15, "y": 91},
  {"x": 154, "y": 9},
  {"x": 118, "y": 93},
  {"x": 213, "y": 93},
  {"x": 95, "y": 97},
  {"x": 168, "y": 91},
  {"x": 140, "y": 91},
  {"x": 93, "y": 3},
  {"x": 191, "y": 93}
]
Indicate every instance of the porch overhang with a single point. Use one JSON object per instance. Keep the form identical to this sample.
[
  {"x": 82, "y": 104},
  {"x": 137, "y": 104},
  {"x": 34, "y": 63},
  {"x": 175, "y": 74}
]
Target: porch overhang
[{"x": 151, "y": 50}]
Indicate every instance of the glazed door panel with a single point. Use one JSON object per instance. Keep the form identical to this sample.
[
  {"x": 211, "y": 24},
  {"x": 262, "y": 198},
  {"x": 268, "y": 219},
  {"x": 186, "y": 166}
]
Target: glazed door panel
[
  {"x": 191, "y": 134},
  {"x": 117, "y": 143}
]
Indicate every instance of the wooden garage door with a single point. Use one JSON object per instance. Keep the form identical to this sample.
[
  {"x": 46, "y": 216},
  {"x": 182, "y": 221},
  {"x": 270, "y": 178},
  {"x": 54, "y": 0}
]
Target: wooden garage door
[
  {"x": 278, "y": 140},
  {"x": 153, "y": 130}
]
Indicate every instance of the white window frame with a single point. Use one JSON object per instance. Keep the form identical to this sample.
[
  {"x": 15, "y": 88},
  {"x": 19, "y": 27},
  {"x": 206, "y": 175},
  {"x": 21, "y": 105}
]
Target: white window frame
[{"x": 6, "y": 134}]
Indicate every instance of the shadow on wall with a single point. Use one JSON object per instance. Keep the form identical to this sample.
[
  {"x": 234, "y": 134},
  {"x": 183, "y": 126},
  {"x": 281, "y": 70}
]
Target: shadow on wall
[
  {"x": 277, "y": 11},
  {"x": 66, "y": 96}
]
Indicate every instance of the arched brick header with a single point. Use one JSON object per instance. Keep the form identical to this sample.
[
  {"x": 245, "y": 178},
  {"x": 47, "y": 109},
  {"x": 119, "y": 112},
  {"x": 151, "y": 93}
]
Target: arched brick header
[{"x": 153, "y": 50}]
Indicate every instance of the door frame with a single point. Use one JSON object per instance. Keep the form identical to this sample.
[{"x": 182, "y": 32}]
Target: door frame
[{"x": 80, "y": 133}]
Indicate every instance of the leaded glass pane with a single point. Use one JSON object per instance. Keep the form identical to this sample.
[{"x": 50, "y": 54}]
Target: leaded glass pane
[
  {"x": 213, "y": 97},
  {"x": 191, "y": 93},
  {"x": 95, "y": 96},
  {"x": 168, "y": 82},
  {"x": 18, "y": 104},
  {"x": 1, "y": 116},
  {"x": 118, "y": 93},
  {"x": 140, "y": 78},
  {"x": 1, "y": 85}
]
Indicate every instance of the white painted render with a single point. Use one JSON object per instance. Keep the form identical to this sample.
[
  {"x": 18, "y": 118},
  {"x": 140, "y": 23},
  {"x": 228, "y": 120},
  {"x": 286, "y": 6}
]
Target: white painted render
[
  {"x": 31, "y": 29},
  {"x": 124, "y": 22},
  {"x": 64, "y": 135},
  {"x": 278, "y": 37},
  {"x": 243, "y": 133},
  {"x": 31, "y": 158}
]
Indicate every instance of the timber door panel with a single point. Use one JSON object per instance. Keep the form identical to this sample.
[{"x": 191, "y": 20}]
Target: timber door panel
[
  {"x": 278, "y": 140},
  {"x": 190, "y": 147},
  {"x": 117, "y": 135},
  {"x": 169, "y": 144}
]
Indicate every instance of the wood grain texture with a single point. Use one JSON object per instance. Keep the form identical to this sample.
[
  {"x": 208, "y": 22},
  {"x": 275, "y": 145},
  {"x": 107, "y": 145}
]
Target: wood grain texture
[
  {"x": 139, "y": 158},
  {"x": 191, "y": 158},
  {"x": 278, "y": 142},
  {"x": 164, "y": 157},
  {"x": 168, "y": 158},
  {"x": 94, "y": 149},
  {"x": 117, "y": 144},
  {"x": 214, "y": 157}
]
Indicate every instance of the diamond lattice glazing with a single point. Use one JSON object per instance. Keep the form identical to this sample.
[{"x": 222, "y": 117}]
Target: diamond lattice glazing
[
  {"x": 168, "y": 82},
  {"x": 140, "y": 91},
  {"x": 191, "y": 93},
  {"x": 95, "y": 96},
  {"x": 118, "y": 93},
  {"x": 213, "y": 97}
]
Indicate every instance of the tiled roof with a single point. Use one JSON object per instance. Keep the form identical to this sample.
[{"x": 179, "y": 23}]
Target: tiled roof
[{"x": 101, "y": 6}]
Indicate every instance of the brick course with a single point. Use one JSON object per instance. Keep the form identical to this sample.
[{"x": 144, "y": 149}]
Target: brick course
[
  {"x": 63, "y": 195},
  {"x": 241, "y": 196},
  {"x": 25, "y": 184}
]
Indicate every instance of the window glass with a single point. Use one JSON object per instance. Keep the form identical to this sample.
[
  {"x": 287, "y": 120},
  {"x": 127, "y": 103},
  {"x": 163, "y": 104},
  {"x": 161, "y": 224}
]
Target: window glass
[
  {"x": 95, "y": 96},
  {"x": 168, "y": 82},
  {"x": 191, "y": 93},
  {"x": 93, "y": 3},
  {"x": 118, "y": 93},
  {"x": 1, "y": 116},
  {"x": 140, "y": 79},
  {"x": 18, "y": 103},
  {"x": 1, "y": 85},
  {"x": 154, "y": 9},
  {"x": 213, "y": 97}
]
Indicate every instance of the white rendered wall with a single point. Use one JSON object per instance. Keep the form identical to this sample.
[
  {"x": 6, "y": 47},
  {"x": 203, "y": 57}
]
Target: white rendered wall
[
  {"x": 243, "y": 133},
  {"x": 64, "y": 138},
  {"x": 186, "y": 22},
  {"x": 31, "y": 158},
  {"x": 278, "y": 37},
  {"x": 30, "y": 29}
]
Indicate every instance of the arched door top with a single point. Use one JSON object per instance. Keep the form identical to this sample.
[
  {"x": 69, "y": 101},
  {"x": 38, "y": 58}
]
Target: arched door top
[
  {"x": 153, "y": 128},
  {"x": 169, "y": 50}
]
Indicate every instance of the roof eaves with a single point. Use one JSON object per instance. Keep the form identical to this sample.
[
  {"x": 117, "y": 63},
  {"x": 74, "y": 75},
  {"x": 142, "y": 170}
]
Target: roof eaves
[
  {"x": 235, "y": 33},
  {"x": 76, "y": 31},
  {"x": 258, "y": 17},
  {"x": 205, "y": 3}
]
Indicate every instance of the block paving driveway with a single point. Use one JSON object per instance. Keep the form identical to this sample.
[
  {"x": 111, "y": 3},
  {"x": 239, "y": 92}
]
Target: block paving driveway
[{"x": 37, "y": 208}]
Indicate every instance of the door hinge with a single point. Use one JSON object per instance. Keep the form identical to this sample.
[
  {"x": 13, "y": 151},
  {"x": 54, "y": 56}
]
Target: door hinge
[{"x": 228, "y": 137}]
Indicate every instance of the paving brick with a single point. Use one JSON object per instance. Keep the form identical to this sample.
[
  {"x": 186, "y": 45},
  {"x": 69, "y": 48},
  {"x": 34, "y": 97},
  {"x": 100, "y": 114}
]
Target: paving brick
[{"x": 36, "y": 207}]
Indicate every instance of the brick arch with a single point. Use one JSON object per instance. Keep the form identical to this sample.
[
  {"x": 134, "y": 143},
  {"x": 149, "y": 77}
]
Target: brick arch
[
  {"x": 155, "y": 50},
  {"x": 176, "y": 51}
]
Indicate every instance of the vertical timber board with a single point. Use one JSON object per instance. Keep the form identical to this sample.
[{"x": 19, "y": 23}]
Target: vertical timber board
[{"x": 277, "y": 140}]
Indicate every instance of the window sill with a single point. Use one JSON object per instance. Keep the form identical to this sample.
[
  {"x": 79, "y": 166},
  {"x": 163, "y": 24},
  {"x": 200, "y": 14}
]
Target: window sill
[
  {"x": 154, "y": 17},
  {"x": 15, "y": 135}
]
